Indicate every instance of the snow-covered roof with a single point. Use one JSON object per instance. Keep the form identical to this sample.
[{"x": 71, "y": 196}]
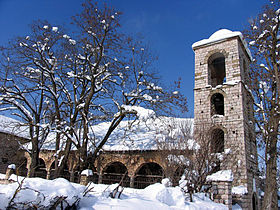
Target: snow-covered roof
[
  {"x": 13, "y": 127},
  {"x": 223, "y": 175},
  {"x": 222, "y": 35},
  {"x": 142, "y": 134}
]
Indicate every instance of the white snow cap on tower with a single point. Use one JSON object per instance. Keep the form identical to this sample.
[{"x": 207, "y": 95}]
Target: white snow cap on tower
[{"x": 221, "y": 35}]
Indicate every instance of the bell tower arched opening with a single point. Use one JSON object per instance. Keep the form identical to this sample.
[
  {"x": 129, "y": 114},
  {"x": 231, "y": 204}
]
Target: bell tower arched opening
[
  {"x": 217, "y": 104},
  {"x": 217, "y": 140},
  {"x": 216, "y": 69}
]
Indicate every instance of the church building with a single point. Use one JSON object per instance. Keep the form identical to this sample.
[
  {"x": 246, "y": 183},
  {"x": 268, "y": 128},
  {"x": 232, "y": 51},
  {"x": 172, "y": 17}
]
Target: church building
[{"x": 223, "y": 109}]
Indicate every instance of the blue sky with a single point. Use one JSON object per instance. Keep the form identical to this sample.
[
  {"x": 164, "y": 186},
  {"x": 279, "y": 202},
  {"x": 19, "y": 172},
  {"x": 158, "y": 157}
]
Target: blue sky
[{"x": 170, "y": 27}]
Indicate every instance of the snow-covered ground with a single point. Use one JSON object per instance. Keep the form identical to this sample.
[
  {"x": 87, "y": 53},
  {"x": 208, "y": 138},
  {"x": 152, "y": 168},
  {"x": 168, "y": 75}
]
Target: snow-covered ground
[{"x": 157, "y": 196}]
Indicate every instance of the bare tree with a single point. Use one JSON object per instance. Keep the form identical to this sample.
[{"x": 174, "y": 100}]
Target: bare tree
[
  {"x": 118, "y": 75},
  {"x": 190, "y": 157},
  {"x": 22, "y": 79},
  {"x": 95, "y": 74},
  {"x": 263, "y": 37}
]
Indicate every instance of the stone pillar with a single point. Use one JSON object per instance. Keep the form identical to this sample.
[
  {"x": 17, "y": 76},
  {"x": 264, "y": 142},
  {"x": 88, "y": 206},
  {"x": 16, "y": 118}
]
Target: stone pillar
[
  {"x": 85, "y": 176},
  {"x": 84, "y": 180},
  {"x": 9, "y": 172},
  {"x": 48, "y": 175},
  {"x": 100, "y": 179},
  {"x": 221, "y": 191},
  {"x": 131, "y": 183},
  {"x": 72, "y": 177}
]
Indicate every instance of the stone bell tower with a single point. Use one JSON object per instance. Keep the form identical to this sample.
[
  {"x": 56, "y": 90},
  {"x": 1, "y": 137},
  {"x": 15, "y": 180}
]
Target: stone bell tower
[{"x": 224, "y": 108}]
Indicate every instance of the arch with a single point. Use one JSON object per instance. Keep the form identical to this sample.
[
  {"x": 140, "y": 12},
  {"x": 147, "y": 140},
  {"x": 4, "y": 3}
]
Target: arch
[
  {"x": 65, "y": 174},
  {"x": 40, "y": 170},
  {"x": 217, "y": 104},
  {"x": 217, "y": 140},
  {"x": 114, "y": 172},
  {"x": 148, "y": 173},
  {"x": 177, "y": 175},
  {"x": 216, "y": 69},
  {"x": 22, "y": 168}
]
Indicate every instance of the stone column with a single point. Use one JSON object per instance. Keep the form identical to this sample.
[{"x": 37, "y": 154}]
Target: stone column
[
  {"x": 48, "y": 174},
  {"x": 10, "y": 170},
  {"x": 85, "y": 176},
  {"x": 84, "y": 180},
  {"x": 100, "y": 179},
  {"x": 131, "y": 183},
  {"x": 72, "y": 177}
]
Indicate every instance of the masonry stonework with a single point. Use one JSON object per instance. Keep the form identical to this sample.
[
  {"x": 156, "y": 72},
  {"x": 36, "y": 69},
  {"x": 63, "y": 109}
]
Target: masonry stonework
[{"x": 236, "y": 120}]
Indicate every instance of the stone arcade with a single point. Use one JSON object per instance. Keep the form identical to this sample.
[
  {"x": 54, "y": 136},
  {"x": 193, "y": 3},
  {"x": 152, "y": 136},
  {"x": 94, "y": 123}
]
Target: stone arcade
[{"x": 223, "y": 107}]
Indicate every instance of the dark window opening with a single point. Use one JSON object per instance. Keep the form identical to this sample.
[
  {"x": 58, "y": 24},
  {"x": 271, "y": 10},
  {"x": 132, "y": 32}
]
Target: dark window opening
[
  {"x": 217, "y": 69},
  {"x": 114, "y": 173},
  {"x": 4, "y": 160},
  {"x": 148, "y": 174},
  {"x": 217, "y": 104},
  {"x": 217, "y": 140}
]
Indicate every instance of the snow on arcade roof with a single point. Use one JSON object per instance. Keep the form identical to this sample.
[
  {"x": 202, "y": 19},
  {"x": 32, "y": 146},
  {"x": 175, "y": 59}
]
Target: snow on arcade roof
[
  {"x": 13, "y": 127},
  {"x": 144, "y": 135},
  {"x": 222, "y": 35},
  {"x": 137, "y": 135}
]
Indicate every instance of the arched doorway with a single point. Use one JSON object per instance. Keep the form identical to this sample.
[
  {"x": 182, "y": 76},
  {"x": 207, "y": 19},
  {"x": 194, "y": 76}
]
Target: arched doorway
[
  {"x": 114, "y": 173},
  {"x": 147, "y": 174},
  {"x": 40, "y": 170},
  {"x": 216, "y": 69}
]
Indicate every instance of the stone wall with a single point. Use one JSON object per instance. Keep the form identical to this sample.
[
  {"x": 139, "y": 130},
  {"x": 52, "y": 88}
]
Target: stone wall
[
  {"x": 10, "y": 153},
  {"x": 221, "y": 192}
]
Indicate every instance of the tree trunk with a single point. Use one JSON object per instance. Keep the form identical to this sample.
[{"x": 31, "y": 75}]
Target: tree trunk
[
  {"x": 63, "y": 162},
  {"x": 113, "y": 126},
  {"x": 270, "y": 201},
  {"x": 34, "y": 159}
]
